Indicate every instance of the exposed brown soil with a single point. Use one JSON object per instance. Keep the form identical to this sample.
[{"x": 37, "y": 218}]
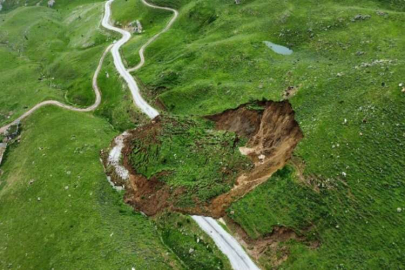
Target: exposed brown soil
[
  {"x": 270, "y": 146},
  {"x": 272, "y": 135},
  {"x": 242, "y": 121},
  {"x": 269, "y": 245}
]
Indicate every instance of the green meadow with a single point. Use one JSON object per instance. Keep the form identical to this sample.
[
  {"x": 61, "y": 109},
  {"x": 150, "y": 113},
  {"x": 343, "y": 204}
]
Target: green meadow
[
  {"x": 348, "y": 65},
  {"x": 57, "y": 209},
  {"x": 348, "y": 193},
  {"x": 49, "y": 54}
]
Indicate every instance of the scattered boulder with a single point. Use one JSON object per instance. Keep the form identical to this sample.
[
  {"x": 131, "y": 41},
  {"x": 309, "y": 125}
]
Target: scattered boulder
[
  {"x": 381, "y": 13},
  {"x": 51, "y": 3},
  {"x": 13, "y": 131},
  {"x": 290, "y": 92},
  {"x": 136, "y": 27},
  {"x": 360, "y": 17},
  {"x": 261, "y": 158}
]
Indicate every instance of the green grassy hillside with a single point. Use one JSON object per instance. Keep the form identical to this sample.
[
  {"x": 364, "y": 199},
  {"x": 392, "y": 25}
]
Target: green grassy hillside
[
  {"x": 152, "y": 21},
  {"x": 57, "y": 208},
  {"x": 345, "y": 190},
  {"x": 49, "y": 54},
  {"x": 347, "y": 66},
  {"x": 214, "y": 57}
]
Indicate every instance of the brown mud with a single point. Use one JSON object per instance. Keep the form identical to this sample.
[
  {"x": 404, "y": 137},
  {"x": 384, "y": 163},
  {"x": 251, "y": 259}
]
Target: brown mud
[
  {"x": 269, "y": 246},
  {"x": 274, "y": 134}
]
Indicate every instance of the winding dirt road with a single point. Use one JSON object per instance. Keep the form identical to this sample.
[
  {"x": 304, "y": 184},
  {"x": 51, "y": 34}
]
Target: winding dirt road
[
  {"x": 168, "y": 26},
  {"x": 226, "y": 243},
  {"x": 138, "y": 99},
  {"x": 60, "y": 104}
]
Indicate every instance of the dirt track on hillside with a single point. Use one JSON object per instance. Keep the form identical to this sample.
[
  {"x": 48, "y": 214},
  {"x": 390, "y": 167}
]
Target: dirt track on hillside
[
  {"x": 168, "y": 26},
  {"x": 139, "y": 101},
  {"x": 60, "y": 104}
]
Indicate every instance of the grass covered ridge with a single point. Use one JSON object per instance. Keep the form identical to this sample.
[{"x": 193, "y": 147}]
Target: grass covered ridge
[
  {"x": 57, "y": 209},
  {"x": 347, "y": 65}
]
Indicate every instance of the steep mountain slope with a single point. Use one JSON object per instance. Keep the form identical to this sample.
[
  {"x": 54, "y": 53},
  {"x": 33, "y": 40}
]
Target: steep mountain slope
[
  {"x": 345, "y": 83},
  {"x": 57, "y": 209}
]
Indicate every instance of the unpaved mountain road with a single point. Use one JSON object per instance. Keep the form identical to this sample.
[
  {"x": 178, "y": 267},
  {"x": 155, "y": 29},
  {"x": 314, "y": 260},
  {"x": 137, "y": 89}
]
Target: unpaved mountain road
[
  {"x": 60, "y": 104},
  {"x": 119, "y": 65},
  {"x": 139, "y": 101},
  {"x": 168, "y": 26},
  {"x": 226, "y": 243}
]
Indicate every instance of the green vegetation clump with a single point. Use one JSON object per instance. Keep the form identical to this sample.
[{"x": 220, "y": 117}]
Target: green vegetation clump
[
  {"x": 195, "y": 249},
  {"x": 186, "y": 152},
  {"x": 281, "y": 201}
]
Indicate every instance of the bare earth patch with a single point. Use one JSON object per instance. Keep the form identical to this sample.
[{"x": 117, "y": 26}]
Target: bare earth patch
[
  {"x": 272, "y": 135},
  {"x": 269, "y": 245},
  {"x": 270, "y": 146}
]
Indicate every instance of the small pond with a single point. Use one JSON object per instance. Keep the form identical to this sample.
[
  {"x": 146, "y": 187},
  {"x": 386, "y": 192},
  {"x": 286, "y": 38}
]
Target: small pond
[{"x": 278, "y": 48}]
